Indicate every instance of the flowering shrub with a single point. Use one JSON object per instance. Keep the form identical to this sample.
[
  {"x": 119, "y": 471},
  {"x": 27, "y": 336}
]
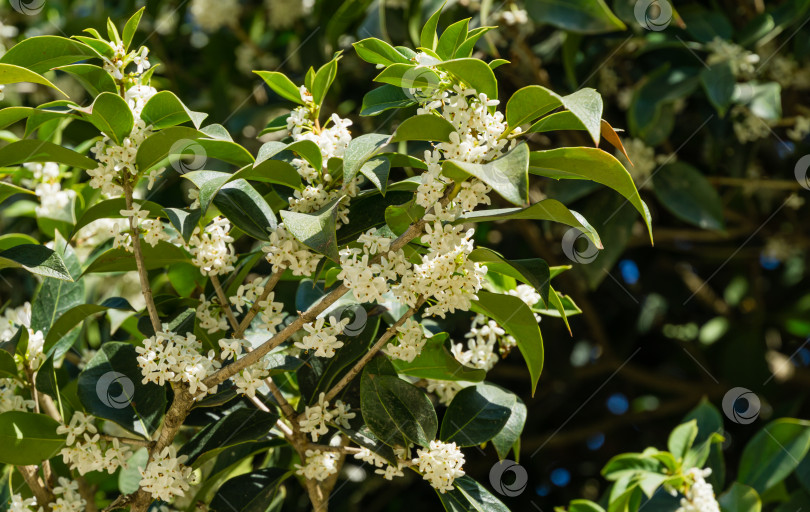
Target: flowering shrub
[{"x": 294, "y": 304}]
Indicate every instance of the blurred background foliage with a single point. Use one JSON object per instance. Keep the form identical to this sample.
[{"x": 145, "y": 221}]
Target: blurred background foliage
[{"x": 713, "y": 101}]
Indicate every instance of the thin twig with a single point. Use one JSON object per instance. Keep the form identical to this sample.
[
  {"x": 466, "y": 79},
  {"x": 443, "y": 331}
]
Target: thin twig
[
  {"x": 223, "y": 303},
  {"x": 43, "y": 495},
  {"x": 254, "y": 309},
  {"x": 127, "y": 440},
  {"x": 139, "y": 263}
]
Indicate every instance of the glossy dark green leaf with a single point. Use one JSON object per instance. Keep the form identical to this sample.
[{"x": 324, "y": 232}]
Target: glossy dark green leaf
[
  {"x": 41, "y": 53},
  {"x": 515, "y": 317},
  {"x": 508, "y": 175},
  {"x": 75, "y": 315},
  {"x": 239, "y": 426},
  {"x": 529, "y": 103},
  {"x": 436, "y": 362},
  {"x": 473, "y": 72},
  {"x": 429, "y": 127},
  {"x": 359, "y": 151},
  {"x": 120, "y": 260},
  {"x": 158, "y": 146},
  {"x": 184, "y": 220},
  {"x": 111, "y": 387},
  {"x": 396, "y": 411},
  {"x": 57, "y": 296},
  {"x": 111, "y": 209},
  {"x": 8, "y": 368},
  {"x": 315, "y": 230},
  {"x": 477, "y": 414},
  {"x": 246, "y": 209},
  {"x": 773, "y": 453},
  {"x": 586, "y": 105},
  {"x": 323, "y": 80},
  {"x": 111, "y": 115},
  {"x": 376, "y": 170},
  {"x": 29, "y": 150},
  {"x": 581, "y": 16},
  {"x": 7, "y": 190},
  {"x": 165, "y": 109},
  {"x": 452, "y": 37},
  {"x": 740, "y": 498},
  {"x": 375, "y": 51},
  {"x": 36, "y": 259},
  {"x": 28, "y": 438},
  {"x": 383, "y": 98},
  {"x": 250, "y": 492},
  {"x": 93, "y": 78},
  {"x": 718, "y": 82},
  {"x": 688, "y": 195},
  {"x": 209, "y": 183},
  {"x": 534, "y": 272},
  {"x": 509, "y": 436},
  {"x": 470, "y": 496}
]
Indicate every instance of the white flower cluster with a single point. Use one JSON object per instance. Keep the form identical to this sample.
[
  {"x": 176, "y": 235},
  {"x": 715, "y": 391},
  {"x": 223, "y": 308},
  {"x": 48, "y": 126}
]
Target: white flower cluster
[
  {"x": 644, "y": 161},
  {"x": 271, "y": 313},
  {"x": 748, "y": 127},
  {"x": 445, "y": 274},
  {"x": 322, "y": 338},
  {"x": 165, "y": 476},
  {"x": 369, "y": 282},
  {"x": 12, "y": 318},
  {"x": 210, "y": 15},
  {"x": 67, "y": 496},
  {"x": 700, "y": 496},
  {"x": 319, "y": 465},
  {"x": 10, "y": 401},
  {"x": 284, "y": 251},
  {"x": 410, "y": 341},
  {"x": 167, "y": 356},
  {"x": 800, "y": 130},
  {"x": 384, "y": 467},
  {"x": 283, "y": 13},
  {"x": 211, "y": 248},
  {"x": 137, "y": 96},
  {"x": 53, "y": 201},
  {"x": 116, "y": 65},
  {"x": 440, "y": 464},
  {"x": 116, "y": 161},
  {"x": 18, "y": 504},
  {"x": 743, "y": 63},
  {"x": 152, "y": 229},
  {"x": 211, "y": 317},
  {"x": 314, "y": 418},
  {"x": 85, "y": 451}
]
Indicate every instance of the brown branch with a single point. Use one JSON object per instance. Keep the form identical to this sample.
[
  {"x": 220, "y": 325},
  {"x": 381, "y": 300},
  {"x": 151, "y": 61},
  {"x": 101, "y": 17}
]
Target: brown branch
[
  {"x": 254, "y": 309},
  {"x": 144, "y": 278},
  {"x": 127, "y": 440},
  {"x": 224, "y": 304},
  {"x": 43, "y": 495}
]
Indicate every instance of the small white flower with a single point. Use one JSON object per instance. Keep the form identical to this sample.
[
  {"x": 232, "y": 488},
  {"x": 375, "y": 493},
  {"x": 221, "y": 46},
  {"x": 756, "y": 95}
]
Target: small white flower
[{"x": 440, "y": 464}]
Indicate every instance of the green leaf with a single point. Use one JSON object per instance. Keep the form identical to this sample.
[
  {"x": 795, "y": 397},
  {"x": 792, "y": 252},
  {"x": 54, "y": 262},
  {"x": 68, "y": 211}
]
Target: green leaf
[
  {"x": 277, "y": 124},
  {"x": 93, "y": 78},
  {"x": 477, "y": 414},
  {"x": 28, "y": 438},
  {"x": 160, "y": 145},
  {"x": 547, "y": 209},
  {"x": 509, "y": 436},
  {"x": 209, "y": 183},
  {"x": 384, "y": 98},
  {"x": 580, "y": 16},
  {"x": 8, "y": 368},
  {"x": 246, "y": 209},
  {"x": 251, "y": 492},
  {"x": 508, "y": 175},
  {"x": 428, "y": 38},
  {"x": 70, "y": 318},
  {"x": 718, "y": 81},
  {"x": 764, "y": 99},
  {"x": 584, "y": 506},
  {"x": 129, "y": 478},
  {"x": 586, "y": 105},
  {"x": 239, "y": 426},
  {"x": 427, "y": 127},
  {"x": 436, "y": 362},
  {"x": 56, "y": 296},
  {"x": 111, "y": 115},
  {"x": 111, "y": 387},
  {"x": 533, "y": 272},
  {"x": 36, "y": 259},
  {"x": 120, "y": 260},
  {"x": 131, "y": 26},
  {"x": 14, "y": 239},
  {"x": 41, "y": 53},
  {"x": 184, "y": 221},
  {"x": 359, "y": 151},
  {"x": 452, "y": 37},
  {"x": 270, "y": 171},
  {"x": 217, "y": 143},
  {"x": 306, "y": 149},
  {"x": 375, "y": 51},
  {"x": 740, "y": 498},
  {"x": 682, "y": 438},
  {"x": 315, "y": 230},
  {"x": 710, "y": 425},
  {"x": 29, "y": 150},
  {"x": 529, "y": 103},
  {"x": 111, "y": 209},
  {"x": 281, "y": 85},
  {"x": 323, "y": 80},
  {"x": 164, "y": 109},
  {"x": 515, "y": 317},
  {"x": 7, "y": 190},
  {"x": 466, "y": 48},
  {"x": 590, "y": 164},
  {"x": 475, "y": 73},
  {"x": 11, "y": 74},
  {"x": 773, "y": 453},
  {"x": 11, "y": 115},
  {"x": 470, "y": 496},
  {"x": 396, "y": 411},
  {"x": 377, "y": 170},
  {"x": 687, "y": 194}
]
